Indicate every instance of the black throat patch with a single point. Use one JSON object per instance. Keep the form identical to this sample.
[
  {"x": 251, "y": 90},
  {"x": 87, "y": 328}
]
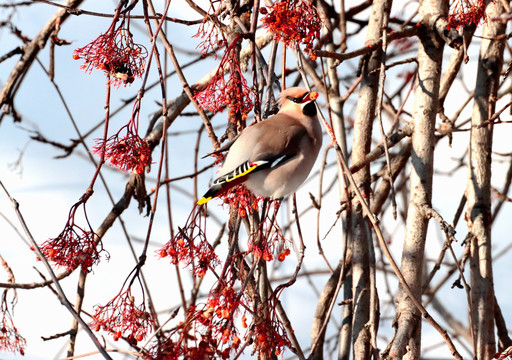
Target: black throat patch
[{"x": 309, "y": 109}]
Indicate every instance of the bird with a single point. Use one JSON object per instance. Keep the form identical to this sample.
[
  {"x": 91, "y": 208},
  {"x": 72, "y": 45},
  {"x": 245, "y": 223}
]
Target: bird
[{"x": 273, "y": 157}]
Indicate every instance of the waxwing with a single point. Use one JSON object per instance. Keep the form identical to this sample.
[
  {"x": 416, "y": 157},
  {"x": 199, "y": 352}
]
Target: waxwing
[{"x": 273, "y": 157}]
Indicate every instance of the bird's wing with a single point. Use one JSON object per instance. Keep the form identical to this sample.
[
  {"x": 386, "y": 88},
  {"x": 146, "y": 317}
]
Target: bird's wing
[{"x": 283, "y": 137}]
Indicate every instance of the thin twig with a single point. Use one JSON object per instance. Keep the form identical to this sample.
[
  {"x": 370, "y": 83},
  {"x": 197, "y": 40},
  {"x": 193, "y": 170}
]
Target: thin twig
[
  {"x": 412, "y": 31},
  {"x": 61, "y": 295}
]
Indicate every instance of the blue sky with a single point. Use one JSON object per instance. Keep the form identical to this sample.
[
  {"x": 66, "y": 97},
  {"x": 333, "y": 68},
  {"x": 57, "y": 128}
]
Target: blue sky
[{"x": 46, "y": 187}]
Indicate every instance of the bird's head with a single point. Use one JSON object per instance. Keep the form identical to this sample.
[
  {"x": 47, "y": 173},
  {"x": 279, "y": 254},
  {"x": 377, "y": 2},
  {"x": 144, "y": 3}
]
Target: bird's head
[{"x": 298, "y": 99}]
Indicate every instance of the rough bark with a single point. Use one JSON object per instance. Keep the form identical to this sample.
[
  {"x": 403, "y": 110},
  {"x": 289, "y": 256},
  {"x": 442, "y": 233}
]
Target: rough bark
[
  {"x": 359, "y": 231},
  {"x": 338, "y": 123},
  {"x": 346, "y": 322},
  {"x": 407, "y": 340},
  {"x": 478, "y": 190},
  {"x": 322, "y": 309}
]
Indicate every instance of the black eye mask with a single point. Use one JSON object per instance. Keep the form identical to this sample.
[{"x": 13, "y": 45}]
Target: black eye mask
[{"x": 298, "y": 100}]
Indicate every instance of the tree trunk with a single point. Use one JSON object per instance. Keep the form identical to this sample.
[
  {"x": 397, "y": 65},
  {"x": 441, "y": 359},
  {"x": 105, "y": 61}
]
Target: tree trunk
[
  {"x": 359, "y": 231},
  {"x": 478, "y": 190},
  {"x": 407, "y": 340}
]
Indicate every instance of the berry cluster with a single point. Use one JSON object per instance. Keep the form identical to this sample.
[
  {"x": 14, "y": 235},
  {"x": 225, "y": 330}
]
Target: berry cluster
[{"x": 293, "y": 22}]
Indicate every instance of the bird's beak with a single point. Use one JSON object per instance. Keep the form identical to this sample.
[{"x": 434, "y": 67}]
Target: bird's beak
[{"x": 312, "y": 96}]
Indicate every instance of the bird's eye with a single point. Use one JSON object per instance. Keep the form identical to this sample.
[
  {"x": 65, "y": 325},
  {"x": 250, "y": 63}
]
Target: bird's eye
[
  {"x": 295, "y": 100},
  {"x": 298, "y": 100}
]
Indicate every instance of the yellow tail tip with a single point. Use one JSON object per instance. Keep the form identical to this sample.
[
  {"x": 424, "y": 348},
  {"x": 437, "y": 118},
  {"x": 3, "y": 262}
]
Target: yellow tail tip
[{"x": 203, "y": 200}]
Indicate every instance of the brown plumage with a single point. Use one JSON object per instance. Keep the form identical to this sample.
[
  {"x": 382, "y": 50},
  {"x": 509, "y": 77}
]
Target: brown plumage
[{"x": 274, "y": 157}]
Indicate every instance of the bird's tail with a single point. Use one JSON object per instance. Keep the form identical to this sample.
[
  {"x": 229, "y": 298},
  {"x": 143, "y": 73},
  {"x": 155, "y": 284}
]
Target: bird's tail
[
  {"x": 210, "y": 194},
  {"x": 227, "y": 181}
]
